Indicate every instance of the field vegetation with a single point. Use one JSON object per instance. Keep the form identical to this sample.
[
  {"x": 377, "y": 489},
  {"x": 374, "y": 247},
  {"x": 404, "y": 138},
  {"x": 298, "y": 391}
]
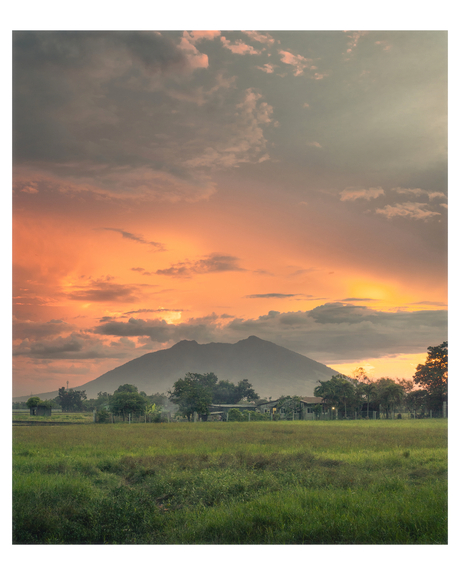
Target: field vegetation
[{"x": 312, "y": 482}]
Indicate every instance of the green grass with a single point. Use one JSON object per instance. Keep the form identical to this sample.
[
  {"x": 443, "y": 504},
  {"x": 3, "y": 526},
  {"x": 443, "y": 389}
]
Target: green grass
[
  {"x": 354, "y": 482},
  {"x": 85, "y": 417}
]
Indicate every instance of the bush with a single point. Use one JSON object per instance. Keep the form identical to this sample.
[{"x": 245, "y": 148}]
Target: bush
[
  {"x": 235, "y": 414},
  {"x": 103, "y": 415}
]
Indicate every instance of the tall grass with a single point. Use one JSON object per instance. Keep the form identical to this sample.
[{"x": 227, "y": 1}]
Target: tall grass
[{"x": 245, "y": 483}]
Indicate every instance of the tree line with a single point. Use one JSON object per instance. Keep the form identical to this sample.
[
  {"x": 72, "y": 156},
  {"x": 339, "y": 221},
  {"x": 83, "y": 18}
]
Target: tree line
[
  {"x": 426, "y": 392},
  {"x": 195, "y": 393}
]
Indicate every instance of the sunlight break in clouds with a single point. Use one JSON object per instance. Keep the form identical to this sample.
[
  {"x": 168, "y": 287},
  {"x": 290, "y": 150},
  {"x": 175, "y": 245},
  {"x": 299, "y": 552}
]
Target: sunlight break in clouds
[{"x": 351, "y": 194}]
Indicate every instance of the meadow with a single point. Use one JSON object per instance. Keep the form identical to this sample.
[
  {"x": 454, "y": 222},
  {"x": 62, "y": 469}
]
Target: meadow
[{"x": 303, "y": 482}]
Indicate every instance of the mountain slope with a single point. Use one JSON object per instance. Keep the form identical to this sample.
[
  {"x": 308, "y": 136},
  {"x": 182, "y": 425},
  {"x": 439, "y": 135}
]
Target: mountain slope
[{"x": 271, "y": 369}]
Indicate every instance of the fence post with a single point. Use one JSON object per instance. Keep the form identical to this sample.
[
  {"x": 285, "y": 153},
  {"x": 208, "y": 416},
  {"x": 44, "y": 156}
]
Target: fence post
[
  {"x": 374, "y": 414},
  {"x": 444, "y": 408},
  {"x": 431, "y": 413}
]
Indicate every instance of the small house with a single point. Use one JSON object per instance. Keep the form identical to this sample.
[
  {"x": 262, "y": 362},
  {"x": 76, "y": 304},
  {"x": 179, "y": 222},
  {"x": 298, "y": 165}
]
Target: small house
[{"x": 43, "y": 410}]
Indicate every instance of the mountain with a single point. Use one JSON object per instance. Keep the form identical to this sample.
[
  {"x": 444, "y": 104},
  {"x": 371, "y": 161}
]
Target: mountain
[{"x": 271, "y": 369}]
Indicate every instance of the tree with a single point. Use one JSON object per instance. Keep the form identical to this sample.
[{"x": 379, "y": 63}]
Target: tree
[
  {"x": 417, "y": 401},
  {"x": 388, "y": 394},
  {"x": 432, "y": 375},
  {"x": 158, "y": 399},
  {"x": 33, "y": 402},
  {"x": 246, "y": 391},
  {"x": 70, "y": 399},
  {"x": 336, "y": 392},
  {"x": 126, "y": 399},
  {"x": 127, "y": 388},
  {"x": 103, "y": 398},
  {"x": 365, "y": 386},
  {"x": 226, "y": 392},
  {"x": 193, "y": 393}
]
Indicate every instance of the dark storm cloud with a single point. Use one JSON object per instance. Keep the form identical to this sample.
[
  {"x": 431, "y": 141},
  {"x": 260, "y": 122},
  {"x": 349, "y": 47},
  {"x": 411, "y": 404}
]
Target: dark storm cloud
[
  {"x": 157, "y": 330},
  {"x": 328, "y": 333},
  {"x": 136, "y": 238},
  {"x": 341, "y": 313},
  {"x": 62, "y": 81},
  {"x": 211, "y": 263},
  {"x": 104, "y": 291},
  {"x": 75, "y": 346},
  {"x": 331, "y": 332},
  {"x": 338, "y": 332},
  {"x": 82, "y": 48},
  {"x": 36, "y": 330}
]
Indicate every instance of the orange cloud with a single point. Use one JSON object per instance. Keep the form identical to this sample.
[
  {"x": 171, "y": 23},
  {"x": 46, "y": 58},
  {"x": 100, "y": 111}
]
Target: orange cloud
[
  {"x": 351, "y": 194},
  {"x": 239, "y": 47},
  {"x": 199, "y": 35},
  {"x": 413, "y": 210},
  {"x": 258, "y": 37},
  {"x": 299, "y": 62}
]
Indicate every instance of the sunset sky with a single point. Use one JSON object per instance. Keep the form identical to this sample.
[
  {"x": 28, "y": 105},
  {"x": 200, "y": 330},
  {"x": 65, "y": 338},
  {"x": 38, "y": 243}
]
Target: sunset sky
[{"x": 215, "y": 185}]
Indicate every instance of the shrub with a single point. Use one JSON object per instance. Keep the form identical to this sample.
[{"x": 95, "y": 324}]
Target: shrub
[
  {"x": 235, "y": 414},
  {"x": 103, "y": 415}
]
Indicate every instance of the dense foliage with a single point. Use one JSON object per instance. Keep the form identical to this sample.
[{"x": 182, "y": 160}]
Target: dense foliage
[
  {"x": 71, "y": 400},
  {"x": 432, "y": 375},
  {"x": 196, "y": 392},
  {"x": 127, "y": 399}
]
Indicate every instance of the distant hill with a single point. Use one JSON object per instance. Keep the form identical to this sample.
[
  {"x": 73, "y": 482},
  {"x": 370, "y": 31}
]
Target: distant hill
[{"x": 271, "y": 369}]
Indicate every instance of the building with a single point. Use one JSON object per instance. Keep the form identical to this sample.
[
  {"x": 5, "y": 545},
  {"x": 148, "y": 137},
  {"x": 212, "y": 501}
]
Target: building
[
  {"x": 303, "y": 408},
  {"x": 41, "y": 410}
]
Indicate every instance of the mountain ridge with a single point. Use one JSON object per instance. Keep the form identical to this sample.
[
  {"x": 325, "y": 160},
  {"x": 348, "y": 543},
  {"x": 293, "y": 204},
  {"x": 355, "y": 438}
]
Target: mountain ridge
[{"x": 272, "y": 370}]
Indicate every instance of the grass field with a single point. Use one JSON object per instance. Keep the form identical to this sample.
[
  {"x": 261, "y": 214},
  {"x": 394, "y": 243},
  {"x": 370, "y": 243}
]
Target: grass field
[
  {"x": 55, "y": 417},
  {"x": 314, "y": 482}
]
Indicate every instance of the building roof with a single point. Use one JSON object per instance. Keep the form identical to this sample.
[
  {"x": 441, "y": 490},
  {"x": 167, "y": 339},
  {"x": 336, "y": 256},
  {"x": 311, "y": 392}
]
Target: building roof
[
  {"x": 302, "y": 399},
  {"x": 312, "y": 399},
  {"x": 234, "y": 405}
]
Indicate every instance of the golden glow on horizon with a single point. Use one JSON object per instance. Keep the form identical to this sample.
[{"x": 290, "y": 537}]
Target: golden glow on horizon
[
  {"x": 368, "y": 289},
  {"x": 399, "y": 366}
]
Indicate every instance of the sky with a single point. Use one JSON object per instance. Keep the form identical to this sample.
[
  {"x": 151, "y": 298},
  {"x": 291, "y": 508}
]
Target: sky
[{"x": 212, "y": 185}]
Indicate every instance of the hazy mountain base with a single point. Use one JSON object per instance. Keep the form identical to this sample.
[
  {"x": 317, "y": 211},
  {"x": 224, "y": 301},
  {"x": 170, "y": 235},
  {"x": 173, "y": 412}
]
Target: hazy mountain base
[
  {"x": 255, "y": 483},
  {"x": 271, "y": 369}
]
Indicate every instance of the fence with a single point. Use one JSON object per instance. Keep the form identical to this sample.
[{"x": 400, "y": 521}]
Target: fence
[{"x": 373, "y": 414}]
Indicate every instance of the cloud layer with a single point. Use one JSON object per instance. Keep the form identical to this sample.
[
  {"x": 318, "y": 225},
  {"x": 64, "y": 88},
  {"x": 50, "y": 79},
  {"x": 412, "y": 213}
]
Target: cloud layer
[{"x": 181, "y": 184}]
